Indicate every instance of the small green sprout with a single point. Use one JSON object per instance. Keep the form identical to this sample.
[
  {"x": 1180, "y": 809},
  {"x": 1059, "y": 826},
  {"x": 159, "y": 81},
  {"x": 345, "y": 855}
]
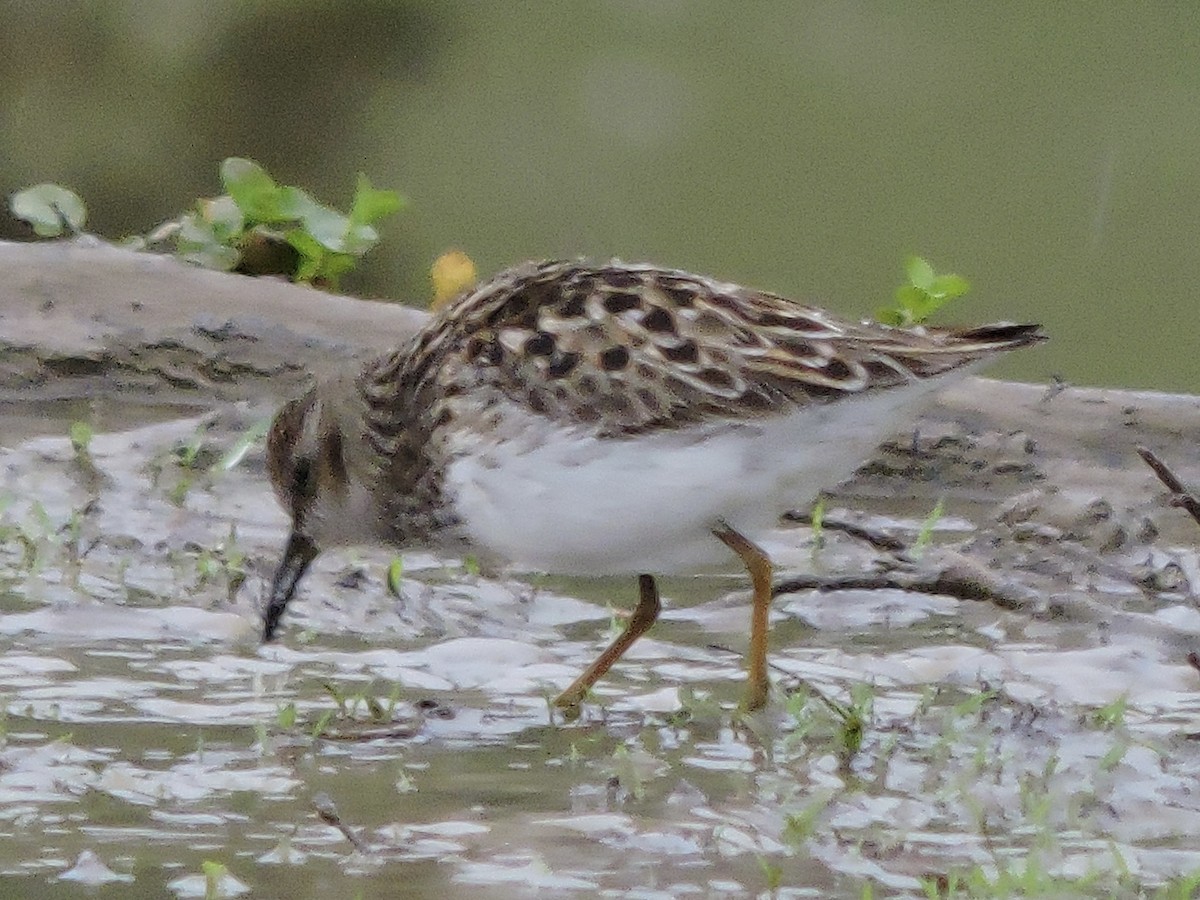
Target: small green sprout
[
  {"x": 1113, "y": 757},
  {"x": 318, "y": 727},
  {"x": 1182, "y": 888},
  {"x": 818, "y": 522},
  {"x": 188, "y": 453},
  {"x": 361, "y": 715},
  {"x": 925, "y": 535},
  {"x": 971, "y": 706},
  {"x": 214, "y": 874},
  {"x": 1112, "y": 715},
  {"x": 178, "y": 493},
  {"x": 772, "y": 874},
  {"x": 376, "y": 710},
  {"x": 259, "y": 219},
  {"x": 285, "y": 717},
  {"x": 395, "y": 576},
  {"x": 81, "y": 438},
  {"x": 800, "y": 826},
  {"x": 924, "y": 294},
  {"x": 81, "y": 435},
  {"x": 856, "y": 718},
  {"x": 339, "y": 697},
  {"x": 852, "y": 718}
]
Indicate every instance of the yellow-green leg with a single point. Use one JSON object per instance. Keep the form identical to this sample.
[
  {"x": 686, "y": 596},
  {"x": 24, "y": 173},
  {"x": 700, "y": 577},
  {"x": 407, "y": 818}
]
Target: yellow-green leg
[
  {"x": 639, "y": 623},
  {"x": 758, "y": 564}
]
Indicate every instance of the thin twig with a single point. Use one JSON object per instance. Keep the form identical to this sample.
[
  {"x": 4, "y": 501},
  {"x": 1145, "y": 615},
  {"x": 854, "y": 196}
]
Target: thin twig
[
  {"x": 1165, "y": 475},
  {"x": 880, "y": 540},
  {"x": 958, "y": 579},
  {"x": 328, "y": 814},
  {"x": 1180, "y": 495}
]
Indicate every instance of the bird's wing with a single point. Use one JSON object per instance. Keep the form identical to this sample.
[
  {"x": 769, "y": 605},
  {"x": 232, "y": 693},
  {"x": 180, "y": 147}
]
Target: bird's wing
[{"x": 630, "y": 349}]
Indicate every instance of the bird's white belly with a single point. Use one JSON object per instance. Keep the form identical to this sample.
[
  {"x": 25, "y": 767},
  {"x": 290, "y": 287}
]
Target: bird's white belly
[{"x": 561, "y": 500}]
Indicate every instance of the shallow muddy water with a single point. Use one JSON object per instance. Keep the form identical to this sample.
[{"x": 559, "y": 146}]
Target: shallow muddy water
[{"x": 146, "y": 732}]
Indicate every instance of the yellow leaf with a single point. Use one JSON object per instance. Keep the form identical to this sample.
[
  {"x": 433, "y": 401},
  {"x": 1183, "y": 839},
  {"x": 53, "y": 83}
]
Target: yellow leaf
[{"x": 452, "y": 273}]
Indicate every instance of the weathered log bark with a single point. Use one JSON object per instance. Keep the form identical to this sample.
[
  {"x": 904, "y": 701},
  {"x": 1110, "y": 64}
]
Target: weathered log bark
[{"x": 80, "y": 318}]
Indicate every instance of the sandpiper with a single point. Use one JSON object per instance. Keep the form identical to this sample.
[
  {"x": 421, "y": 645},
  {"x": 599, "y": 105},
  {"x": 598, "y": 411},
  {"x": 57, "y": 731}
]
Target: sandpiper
[{"x": 603, "y": 420}]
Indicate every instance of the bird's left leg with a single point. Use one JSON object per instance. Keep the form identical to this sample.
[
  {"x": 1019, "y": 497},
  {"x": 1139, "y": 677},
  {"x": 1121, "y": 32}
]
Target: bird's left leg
[{"x": 758, "y": 564}]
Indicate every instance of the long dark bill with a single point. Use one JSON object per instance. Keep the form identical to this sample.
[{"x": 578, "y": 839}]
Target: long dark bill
[{"x": 300, "y": 551}]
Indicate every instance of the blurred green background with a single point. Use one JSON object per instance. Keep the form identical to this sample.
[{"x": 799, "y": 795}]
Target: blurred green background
[{"x": 1049, "y": 152}]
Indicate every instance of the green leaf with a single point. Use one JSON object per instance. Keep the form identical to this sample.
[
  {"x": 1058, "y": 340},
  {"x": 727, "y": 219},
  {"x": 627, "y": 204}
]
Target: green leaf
[
  {"x": 922, "y": 305},
  {"x": 285, "y": 717},
  {"x": 818, "y": 522},
  {"x": 949, "y": 286},
  {"x": 887, "y": 316},
  {"x": 370, "y": 204},
  {"x": 919, "y": 272},
  {"x": 336, "y": 693},
  {"x": 253, "y": 190},
  {"x": 321, "y": 724},
  {"x": 910, "y": 300},
  {"x": 327, "y": 226},
  {"x": 395, "y": 576},
  {"x": 1114, "y": 755},
  {"x": 335, "y": 265},
  {"x": 311, "y": 254},
  {"x": 328, "y": 241},
  {"x": 81, "y": 436},
  {"x": 296, "y": 203},
  {"x": 224, "y": 216},
  {"x": 214, "y": 872},
  {"x": 925, "y": 534},
  {"x": 50, "y": 209},
  {"x": 360, "y": 239},
  {"x": 375, "y": 710},
  {"x": 924, "y": 293},
  {"x": 1112, "y": 715},
  {"x": 197, "y": 243},
  {"x": 902, "y": 298},
  {"x": 317, "y": 262}
]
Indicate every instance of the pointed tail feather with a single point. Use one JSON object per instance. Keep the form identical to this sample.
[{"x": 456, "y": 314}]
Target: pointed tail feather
[{"x": 999, "y": 336}]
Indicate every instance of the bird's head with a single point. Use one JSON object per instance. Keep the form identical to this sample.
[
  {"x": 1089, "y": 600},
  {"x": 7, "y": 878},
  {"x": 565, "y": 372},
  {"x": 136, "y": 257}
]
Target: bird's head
[{"x": 307, "y": 462}]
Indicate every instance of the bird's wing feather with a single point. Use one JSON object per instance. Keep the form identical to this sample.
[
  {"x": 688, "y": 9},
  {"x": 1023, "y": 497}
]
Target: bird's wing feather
[{"x": 631, "y": 349}]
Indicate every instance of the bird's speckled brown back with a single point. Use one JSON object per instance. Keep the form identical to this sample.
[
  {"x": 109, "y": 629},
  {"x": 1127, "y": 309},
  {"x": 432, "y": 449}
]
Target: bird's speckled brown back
[{"x": 630, "y": 349}]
